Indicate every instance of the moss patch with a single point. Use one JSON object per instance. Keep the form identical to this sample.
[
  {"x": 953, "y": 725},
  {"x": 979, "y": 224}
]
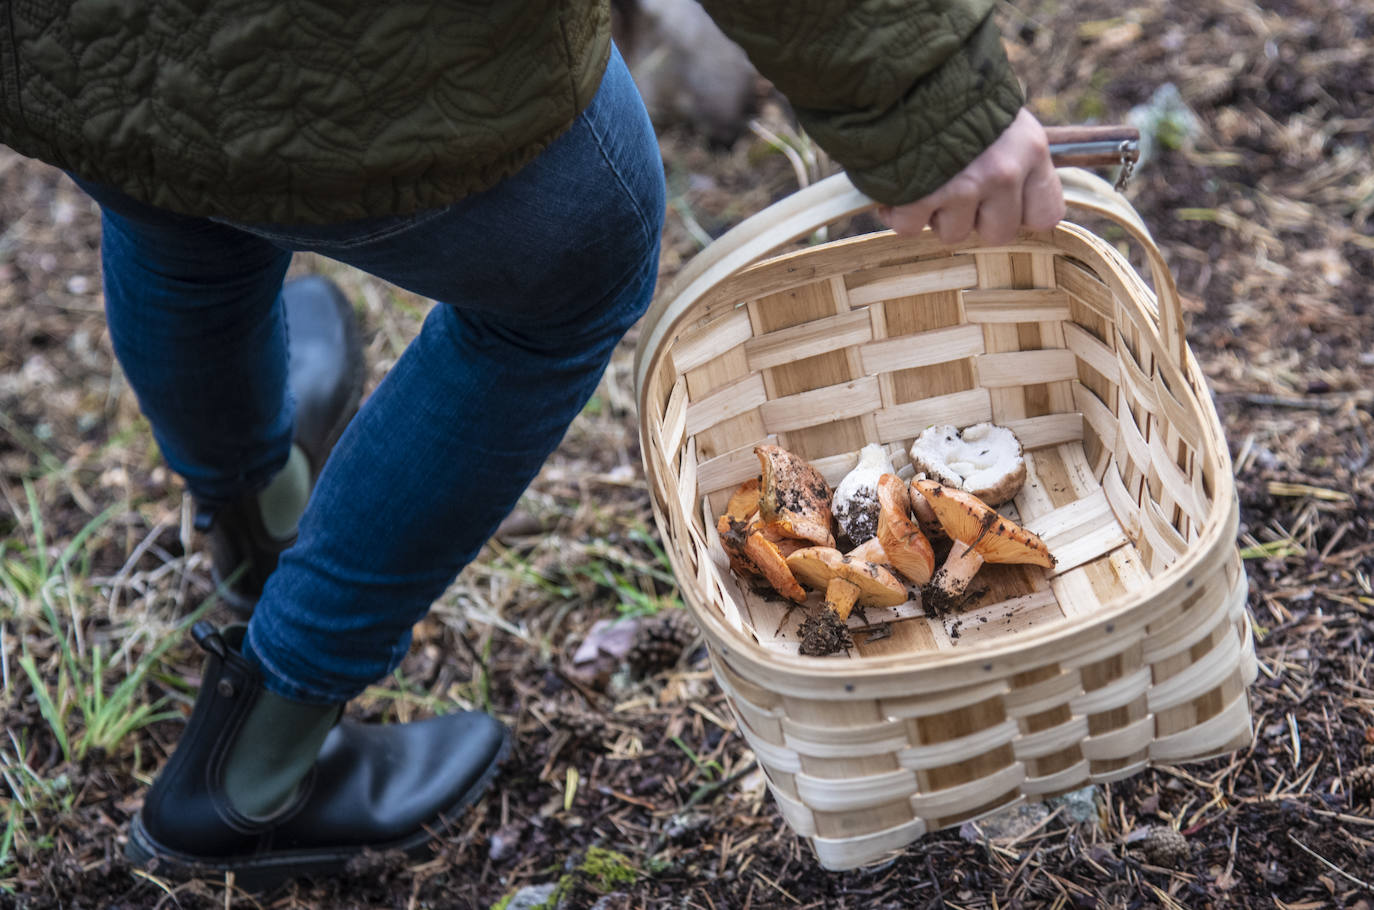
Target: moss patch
[{"x": 606, "y": 870}]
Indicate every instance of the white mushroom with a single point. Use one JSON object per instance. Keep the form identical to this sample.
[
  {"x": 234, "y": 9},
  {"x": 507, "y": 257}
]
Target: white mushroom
[
  {"x": 855, "y": 502},
  {"x": 984, "y": 459}
]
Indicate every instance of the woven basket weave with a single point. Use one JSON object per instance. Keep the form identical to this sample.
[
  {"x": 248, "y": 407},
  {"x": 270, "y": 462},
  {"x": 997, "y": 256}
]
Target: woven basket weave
[{"x": 1135, "y": 649}]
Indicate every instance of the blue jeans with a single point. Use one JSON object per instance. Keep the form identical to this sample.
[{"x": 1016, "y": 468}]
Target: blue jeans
[{"x": 537, "y": 279}]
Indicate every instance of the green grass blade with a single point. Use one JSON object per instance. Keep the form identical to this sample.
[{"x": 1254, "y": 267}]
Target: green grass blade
[
  {"x": 36, "y": 516},
  {"x": 83, "y": 535},
  {"x": 46, "y": 706}
]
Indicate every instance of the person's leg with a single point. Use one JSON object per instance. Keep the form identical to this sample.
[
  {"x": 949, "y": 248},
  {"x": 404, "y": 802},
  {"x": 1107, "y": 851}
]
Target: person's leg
[
  {"x": 538, "y": 279},
  {"x": 195, "y": 317},
  {"x": 230, "y": 367}
]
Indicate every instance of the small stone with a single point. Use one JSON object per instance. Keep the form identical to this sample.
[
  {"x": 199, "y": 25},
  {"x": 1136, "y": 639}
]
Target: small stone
[
  {"x": 686, "y": 823},
  {"x": 1080, "y": 806},
  {"x": 532, "y": 896},
  {"x": 1007, "y": 824},
  {"x": 504, "y": 842}
]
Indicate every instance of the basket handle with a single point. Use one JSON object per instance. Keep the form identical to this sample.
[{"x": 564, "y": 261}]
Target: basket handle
[
  {"x": 1089, "y": 193},
  {"x": 834, "y": 198}
]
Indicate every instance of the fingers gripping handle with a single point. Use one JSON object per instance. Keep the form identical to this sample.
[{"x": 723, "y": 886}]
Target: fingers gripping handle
[{"x": 834, "y": 198}]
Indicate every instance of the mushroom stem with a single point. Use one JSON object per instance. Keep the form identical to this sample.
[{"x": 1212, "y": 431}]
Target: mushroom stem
[
  {"x": 952, "y": 578},
  {"x": 840, "y": 596}
]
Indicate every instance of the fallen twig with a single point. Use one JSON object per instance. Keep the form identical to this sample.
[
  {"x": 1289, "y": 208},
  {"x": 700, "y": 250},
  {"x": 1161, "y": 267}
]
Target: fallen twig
[{"x": 1328, "y": 864}]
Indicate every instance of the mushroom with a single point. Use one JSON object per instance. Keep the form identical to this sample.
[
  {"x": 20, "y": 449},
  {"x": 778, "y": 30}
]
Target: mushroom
[
  {"x": 980, "y": 535},
  {"x": 855, "y": 503},
  {"x": 744, "y": 502},
  {"x": 764, "y": 552},
  {"x": 925, "y": 517},
  {"x": 847, "y": 583},
  {"x": 984, "y": 459},
  {"x": 733, "y": 536},
  {"x": 733, "y": 525},
  {"x": 869, "y": 551},
  {"x": 794, "y": 496},
  {"x": 905, "y": 547}
]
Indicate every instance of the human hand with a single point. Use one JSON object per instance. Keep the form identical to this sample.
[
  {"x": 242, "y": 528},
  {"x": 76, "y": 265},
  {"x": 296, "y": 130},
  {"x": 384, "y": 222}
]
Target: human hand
[{"x": 1011, "y": 184}]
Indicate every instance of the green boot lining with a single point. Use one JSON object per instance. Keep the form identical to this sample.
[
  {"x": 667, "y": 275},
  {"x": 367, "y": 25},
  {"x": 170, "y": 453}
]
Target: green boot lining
[
  {"x": 273, "y": 751},
  {"x": 283, "y": 501}
]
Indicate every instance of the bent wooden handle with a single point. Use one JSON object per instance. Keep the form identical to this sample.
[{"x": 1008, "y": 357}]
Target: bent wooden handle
[{"x": 834, "y": 198}]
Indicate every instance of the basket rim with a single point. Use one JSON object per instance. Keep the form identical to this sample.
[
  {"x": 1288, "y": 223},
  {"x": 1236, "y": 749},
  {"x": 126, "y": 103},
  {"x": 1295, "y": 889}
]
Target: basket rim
[{"x": 1113, "y": 618}]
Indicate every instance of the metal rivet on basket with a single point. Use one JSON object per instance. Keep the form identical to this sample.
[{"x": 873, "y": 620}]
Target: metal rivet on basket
[{"x": 225, "y": 688}]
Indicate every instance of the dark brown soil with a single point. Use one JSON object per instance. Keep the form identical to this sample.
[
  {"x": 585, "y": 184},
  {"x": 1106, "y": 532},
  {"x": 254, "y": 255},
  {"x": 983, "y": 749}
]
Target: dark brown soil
[
  {"x": 822, "y": 632},
  {"x": 1265, "y": 220}
]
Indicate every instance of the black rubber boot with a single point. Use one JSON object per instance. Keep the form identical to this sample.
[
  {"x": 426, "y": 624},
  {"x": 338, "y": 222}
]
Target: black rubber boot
[
  {"x": 326, "y": 377},
  {"x": 251, "y": 790}
]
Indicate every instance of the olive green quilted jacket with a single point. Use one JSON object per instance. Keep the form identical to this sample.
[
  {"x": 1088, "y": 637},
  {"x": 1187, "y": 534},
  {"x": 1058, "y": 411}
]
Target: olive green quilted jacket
[{"x": 299, "y": 111}]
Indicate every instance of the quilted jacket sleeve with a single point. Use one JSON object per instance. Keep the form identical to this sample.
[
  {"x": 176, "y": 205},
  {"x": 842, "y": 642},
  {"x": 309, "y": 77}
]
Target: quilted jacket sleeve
[{"x": 903, "y": 93}]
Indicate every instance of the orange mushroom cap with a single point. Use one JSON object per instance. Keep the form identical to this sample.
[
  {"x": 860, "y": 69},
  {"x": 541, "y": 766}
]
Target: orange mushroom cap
[
  {"x": 733, "y": 535},
  {"x": 744, "y": 502},
  {"x": 764, "y": 554},
  {"x": 907, "y": 549},
  {"x": 870, "y": 550},
  {"x": 996, "y": 538},
  {"x": 820, "y": 567}
]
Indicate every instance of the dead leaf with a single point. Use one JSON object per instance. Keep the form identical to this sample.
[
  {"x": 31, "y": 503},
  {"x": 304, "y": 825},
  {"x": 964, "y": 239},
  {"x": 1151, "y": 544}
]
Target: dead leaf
[{"x": 608, "y": 637}]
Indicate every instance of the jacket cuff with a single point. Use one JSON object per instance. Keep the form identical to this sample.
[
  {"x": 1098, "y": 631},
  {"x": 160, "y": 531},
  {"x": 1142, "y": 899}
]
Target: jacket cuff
[{"x": 947, "y": 119}]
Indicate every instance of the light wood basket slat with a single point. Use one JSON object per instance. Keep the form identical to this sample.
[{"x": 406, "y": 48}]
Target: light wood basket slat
[{"x": 1136, "y": 648}]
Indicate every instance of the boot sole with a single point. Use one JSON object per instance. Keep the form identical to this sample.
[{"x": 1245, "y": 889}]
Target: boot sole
[{"x": 262, "y": 873}]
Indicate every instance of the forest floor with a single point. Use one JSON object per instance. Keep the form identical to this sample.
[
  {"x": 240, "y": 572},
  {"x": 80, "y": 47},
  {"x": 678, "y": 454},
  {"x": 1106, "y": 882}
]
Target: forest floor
[{"x": 629, "y": 784}]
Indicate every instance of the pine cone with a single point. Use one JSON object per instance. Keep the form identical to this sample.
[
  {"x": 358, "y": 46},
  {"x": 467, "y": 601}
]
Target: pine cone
[
  {"x": 662, "y": 639},
  {"x": 1163, "y": 847},
  {"x": 1362, "y": 785}
]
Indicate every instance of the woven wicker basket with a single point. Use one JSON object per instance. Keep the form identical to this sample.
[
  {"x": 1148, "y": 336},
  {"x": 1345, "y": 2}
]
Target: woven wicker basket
[{"x": 1135, "y": 649}]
